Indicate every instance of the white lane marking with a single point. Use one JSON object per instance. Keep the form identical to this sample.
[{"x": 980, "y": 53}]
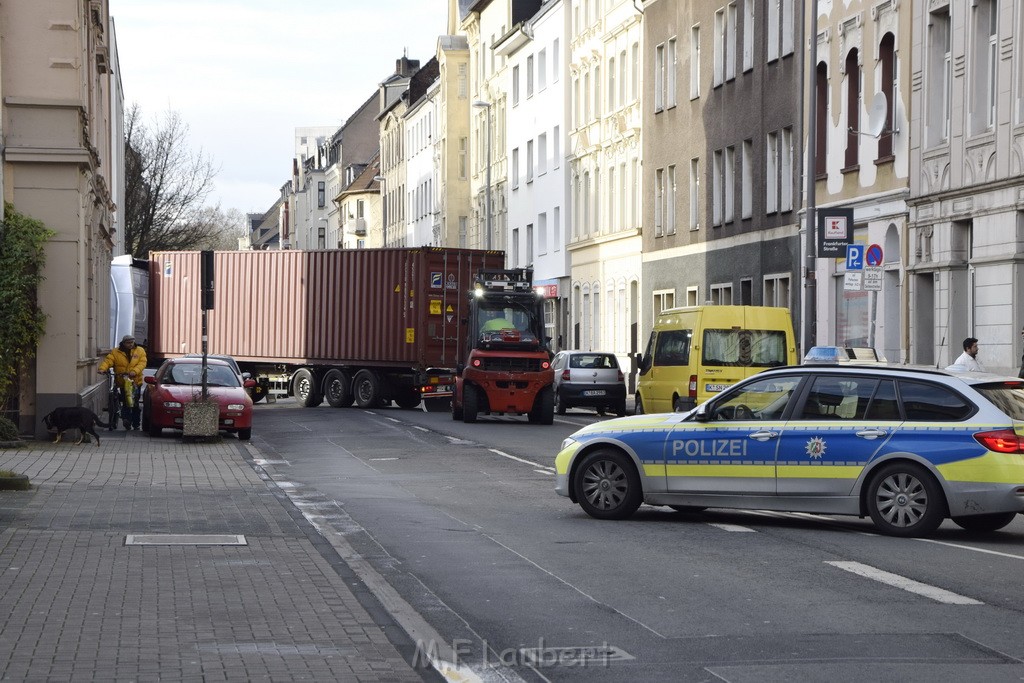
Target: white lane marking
[
  {"x": 903, "y": 583},
  {"x": 525, "y": 462},
  {"x": 967, "y": 547},
  {"x": 544, "y": 471},
  {"x": 381, "y": 459},
  {"x": 731, "y": 527},
  {"x": 422, "y": 429},
  {"x": 393, "y": 420}
]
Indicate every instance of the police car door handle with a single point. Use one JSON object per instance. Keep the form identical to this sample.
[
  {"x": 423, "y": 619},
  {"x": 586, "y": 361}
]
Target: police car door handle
[
  {"x": 871, "y": 433},
  {"x": 765, "y": 435}
]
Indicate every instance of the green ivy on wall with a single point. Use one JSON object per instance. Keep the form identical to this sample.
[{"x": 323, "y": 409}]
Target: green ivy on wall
[{"x": 22, "y": 255}]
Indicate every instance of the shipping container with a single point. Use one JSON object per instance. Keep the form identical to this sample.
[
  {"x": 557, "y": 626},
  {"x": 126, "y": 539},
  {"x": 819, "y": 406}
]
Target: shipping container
[{"x": 363, "y": 325}]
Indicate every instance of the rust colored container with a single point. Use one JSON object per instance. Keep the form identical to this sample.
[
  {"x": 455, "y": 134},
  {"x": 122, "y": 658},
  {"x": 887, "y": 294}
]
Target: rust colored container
[{"x": 372, "y": 307}]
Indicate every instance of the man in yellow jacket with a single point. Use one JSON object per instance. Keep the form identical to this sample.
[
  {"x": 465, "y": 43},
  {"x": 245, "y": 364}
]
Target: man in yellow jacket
[{"x": 128, "y": 360}]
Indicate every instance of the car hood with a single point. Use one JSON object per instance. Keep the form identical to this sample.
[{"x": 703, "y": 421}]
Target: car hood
[
  {"x": 186, "y": 393},
  {"x": 631, "y": 423}
]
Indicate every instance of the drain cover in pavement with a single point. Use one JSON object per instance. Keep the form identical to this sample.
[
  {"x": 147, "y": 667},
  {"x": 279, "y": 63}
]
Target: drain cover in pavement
[{"x": 185, "y": 539}]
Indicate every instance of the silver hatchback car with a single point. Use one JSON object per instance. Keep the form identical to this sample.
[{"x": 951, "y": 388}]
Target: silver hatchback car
[{"x": 589, "y": 379}]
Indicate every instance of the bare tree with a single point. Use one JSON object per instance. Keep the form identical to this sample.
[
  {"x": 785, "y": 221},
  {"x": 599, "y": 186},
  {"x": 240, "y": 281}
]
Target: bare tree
[
  {"x": 166, "y": 186},
  {"x": 223, "y": 229}
]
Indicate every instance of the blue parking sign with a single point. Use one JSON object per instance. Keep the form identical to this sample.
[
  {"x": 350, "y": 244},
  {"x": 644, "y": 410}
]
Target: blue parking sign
[{"x": 855, "y": 257}]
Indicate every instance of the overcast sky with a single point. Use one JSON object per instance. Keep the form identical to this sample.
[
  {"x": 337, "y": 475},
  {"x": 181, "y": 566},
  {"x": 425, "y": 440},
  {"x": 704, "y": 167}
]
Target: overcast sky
[{"x": 244, "y": 74}]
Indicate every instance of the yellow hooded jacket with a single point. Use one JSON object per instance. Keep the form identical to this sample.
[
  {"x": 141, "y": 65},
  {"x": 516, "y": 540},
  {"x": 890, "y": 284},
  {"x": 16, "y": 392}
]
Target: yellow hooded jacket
[{"x": 123, "y": 363}]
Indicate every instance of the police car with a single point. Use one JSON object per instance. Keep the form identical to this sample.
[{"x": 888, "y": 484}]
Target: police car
[{"x": 907, "y": 447}]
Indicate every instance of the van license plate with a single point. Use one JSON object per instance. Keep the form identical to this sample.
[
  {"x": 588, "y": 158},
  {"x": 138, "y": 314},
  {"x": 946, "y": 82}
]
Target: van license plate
[
  {"x": 716, "y": 387},
  {"x": 594, "y": 392}
]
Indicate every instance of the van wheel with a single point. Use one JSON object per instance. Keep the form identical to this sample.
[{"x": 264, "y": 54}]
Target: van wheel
[
  {"x": 639, "y": 409},
  {"x": 607, "y": 485},
  {"x": 985, "y": 523},
  {"x": 904, "y": 499},
  {"x": 338, "y": 389}
]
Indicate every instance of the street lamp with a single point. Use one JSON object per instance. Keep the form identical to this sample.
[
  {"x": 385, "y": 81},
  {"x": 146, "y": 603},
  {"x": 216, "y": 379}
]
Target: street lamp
[
  {"x": 383, "y": 206},
  {"x": 487, "y": 196}
]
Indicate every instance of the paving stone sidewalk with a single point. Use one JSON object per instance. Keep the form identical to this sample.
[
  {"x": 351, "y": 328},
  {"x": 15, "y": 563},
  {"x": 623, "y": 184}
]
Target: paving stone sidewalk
[{"x": 76, "y": 603}]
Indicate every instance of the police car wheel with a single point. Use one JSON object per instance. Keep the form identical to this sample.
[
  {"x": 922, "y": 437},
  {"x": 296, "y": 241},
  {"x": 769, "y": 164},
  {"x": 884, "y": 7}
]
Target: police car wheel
[
  {"x": 905, "y": 500},
  {"x": 985, "y": 523},
  {"x": 607, "y": 485}
]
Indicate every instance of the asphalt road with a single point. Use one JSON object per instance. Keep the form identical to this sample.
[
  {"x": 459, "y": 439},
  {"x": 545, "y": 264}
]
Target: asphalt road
[{"x": 460, "y": 527}]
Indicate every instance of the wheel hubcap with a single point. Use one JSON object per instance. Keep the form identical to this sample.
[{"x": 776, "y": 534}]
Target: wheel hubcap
[
  {"x": 901, "y": 499},
  {"x": 605, "y": 485}
]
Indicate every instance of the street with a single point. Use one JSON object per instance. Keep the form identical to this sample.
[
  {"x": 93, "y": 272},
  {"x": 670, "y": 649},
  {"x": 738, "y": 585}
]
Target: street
[{"x": 458, "y": 530}]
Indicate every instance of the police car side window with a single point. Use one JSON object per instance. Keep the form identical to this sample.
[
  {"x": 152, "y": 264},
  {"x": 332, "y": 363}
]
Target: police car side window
[
  {"x": 884, "y": 405},
  {"x": 932, "y": 402}
]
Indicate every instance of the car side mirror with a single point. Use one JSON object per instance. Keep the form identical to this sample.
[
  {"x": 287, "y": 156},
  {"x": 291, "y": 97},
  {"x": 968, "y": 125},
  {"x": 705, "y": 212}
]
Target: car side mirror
[
  {"x": 249, "y": 383},
  {"x": 149, "y": 379},
  {"x": 701, "y": 415}
]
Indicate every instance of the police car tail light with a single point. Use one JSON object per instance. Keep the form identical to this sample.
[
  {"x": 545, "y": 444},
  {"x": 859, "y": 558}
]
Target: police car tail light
[
  {"x": 1000, "y": 441},
  {"x": 693, "y": 386}
]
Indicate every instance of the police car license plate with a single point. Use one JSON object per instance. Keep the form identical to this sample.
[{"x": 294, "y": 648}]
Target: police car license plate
[
  {"x": 716, "y": 387},
  {"x": 594, "y": 392}
]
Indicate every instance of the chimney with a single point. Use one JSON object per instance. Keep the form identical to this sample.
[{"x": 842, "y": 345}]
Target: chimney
[{"x": 406, "y": 67}]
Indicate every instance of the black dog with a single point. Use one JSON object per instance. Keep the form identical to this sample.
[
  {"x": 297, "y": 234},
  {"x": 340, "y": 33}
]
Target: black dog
[{"x": 82, "y": 419}]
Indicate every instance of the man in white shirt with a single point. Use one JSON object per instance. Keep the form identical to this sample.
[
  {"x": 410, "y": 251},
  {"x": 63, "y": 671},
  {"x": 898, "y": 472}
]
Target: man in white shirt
[{"x": 968, "y": 360}]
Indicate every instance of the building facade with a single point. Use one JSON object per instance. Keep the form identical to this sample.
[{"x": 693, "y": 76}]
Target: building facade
[{"x": 63, "y": 154}]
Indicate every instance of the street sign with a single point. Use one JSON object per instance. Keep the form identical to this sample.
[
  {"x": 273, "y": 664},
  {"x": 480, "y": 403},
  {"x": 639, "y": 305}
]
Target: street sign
[
  {"x": 854, "y": 256},
  {"x": 852, "y": 280},
  {"x": 835, "y": 231},
  {"x": 873, "y": 255},
  {"x": 873, "y": 278}
]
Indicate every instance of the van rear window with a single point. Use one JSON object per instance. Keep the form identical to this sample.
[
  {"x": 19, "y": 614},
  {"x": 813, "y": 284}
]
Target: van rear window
[{"x": 744, "y": 348}]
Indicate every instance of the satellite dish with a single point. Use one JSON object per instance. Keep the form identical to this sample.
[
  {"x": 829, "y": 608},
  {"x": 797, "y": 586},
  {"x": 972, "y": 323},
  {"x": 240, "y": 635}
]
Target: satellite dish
[{"x": 876, "y": 117}]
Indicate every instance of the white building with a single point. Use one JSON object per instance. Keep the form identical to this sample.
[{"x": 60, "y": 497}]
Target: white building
[{"x": 422, "y": 226}]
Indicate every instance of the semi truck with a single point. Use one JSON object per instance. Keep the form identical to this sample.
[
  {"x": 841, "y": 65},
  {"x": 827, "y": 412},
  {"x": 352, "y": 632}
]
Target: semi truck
[
  {"x": 366, "y": 326},
  {"x": 508, "y": 359}
]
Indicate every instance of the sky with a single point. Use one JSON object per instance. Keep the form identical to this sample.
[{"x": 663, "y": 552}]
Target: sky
[{"x": 244, "y": 74}]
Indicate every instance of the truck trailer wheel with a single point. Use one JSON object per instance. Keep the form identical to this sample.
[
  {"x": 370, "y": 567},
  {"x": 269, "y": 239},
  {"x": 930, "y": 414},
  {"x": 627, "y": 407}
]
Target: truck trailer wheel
[
  {"x": 306, "y": 390},
  {"x": 338, "y": 389},
  {"x": 367, "y": 389}
]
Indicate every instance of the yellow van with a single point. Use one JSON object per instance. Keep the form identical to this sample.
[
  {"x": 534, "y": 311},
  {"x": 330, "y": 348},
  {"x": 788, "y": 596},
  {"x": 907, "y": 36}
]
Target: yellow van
[{"x": 697, "y": 351}]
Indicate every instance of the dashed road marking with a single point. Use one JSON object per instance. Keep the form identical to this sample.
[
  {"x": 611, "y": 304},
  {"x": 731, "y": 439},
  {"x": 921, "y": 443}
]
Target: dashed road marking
[
  {"x": 732, "y": 527},
  {"x": 903, "y": 583},
  {"x": 522, "y": 460},
  {"x": 967, "y": 547}
]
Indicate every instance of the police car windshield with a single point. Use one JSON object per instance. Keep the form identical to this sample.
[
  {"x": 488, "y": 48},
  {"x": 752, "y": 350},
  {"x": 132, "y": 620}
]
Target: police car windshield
[{"x": 1007, "y": 396}]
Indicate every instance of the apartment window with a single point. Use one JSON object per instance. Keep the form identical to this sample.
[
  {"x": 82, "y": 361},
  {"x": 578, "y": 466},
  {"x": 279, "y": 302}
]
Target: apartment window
[
  {"x": 636, "y": 197},
  {"x": 542, "y": 234},
  {"x": 887, "y": 57},
  {"x": 556, "y": 148},
  {"x": 772, "y": 173},
  {"x": 693, "y": 296},
  {"x": 612, "y": 193},
  {"x": 694, "y": 194},
  {"x": 577, "y": 103},
  {"x": 597, "y": 92},
  {"x": 788, "y": 27},
  {"x": 747, "y": 184},
  {"x": 463, "y": 81},
  {"x": 852, "y": 110},
  {"x": 821, "y": 124},
  {"x": 939, "y": 77},
  {"x": 515, "y": 168},
  {"x": 515, "y": 248},
  {"x": 542, "y": 69},
  {"x": 748, "y": 35},
  {"x": 776, "y": 290},
  {"x": 529, "y": 161},
  {"x": 730, "y": 42},
  {"x": 719, "y": 47},
  {"x": 730, "y": 184},
  {"x": 556, "y": 228},
  {"x": 585, "y": 199},
  {"x": 670, "y": 77},
  {"x": 321, "y": 195},
  {"x": 542, "y": 154},
  {"x": 623, "y": 195},
  {"x": 555, "y": 66},
  {"x": 716, "y": 188},
  {"x": 622, "y": 78},
  {"x": 746, "y": 292},
  {"x": 786, "y": 171},
  {"x": 985, "y": 64},
  {"x": 586, "y": 98},
  {"x": 659, "y": 202},
  {"x": 463, "y": 157},
  {"x": 597, "y": 204},
  {"x": 721, "y": 294},
  {"x": 634, "y": 80},
  {"x": 670, "y": 201},
  {"x": 611, "y": 84},
  {"x": 695, "y": 62},
  {"x": 515, "y": 85},
  {"x": 774, "y": 12},
  {"x": 659, "y": 78},
  {"x": 529, "y": 76},
  {"x": 664, "y": 299},
  {"x": 529, "y": 244}
]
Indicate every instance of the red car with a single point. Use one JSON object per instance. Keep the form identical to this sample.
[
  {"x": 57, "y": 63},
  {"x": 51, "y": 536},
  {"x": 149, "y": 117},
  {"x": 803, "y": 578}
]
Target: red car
[{"x": 179, "y": 381}]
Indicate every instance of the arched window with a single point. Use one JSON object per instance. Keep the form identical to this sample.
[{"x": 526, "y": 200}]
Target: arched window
[
  {"x": 887, "y": 57},
  {"x": 821, "y": 121},
  {"x": 852, "y": 110}
]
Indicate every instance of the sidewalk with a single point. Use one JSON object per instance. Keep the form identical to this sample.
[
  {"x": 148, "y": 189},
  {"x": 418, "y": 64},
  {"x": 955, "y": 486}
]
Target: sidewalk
[{"x": 77, "y": 603}]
